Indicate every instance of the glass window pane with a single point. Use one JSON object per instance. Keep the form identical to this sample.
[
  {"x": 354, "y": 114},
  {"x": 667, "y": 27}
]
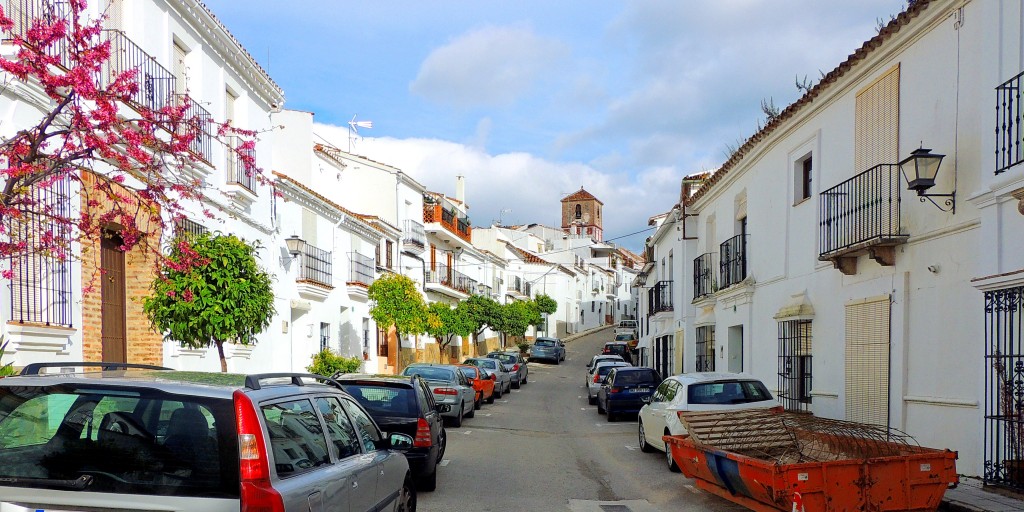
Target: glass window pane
[
  {"x": 339, "y": 428},
  {"x": 368, "y": 432},
  {"x": 296, "y": 437}
]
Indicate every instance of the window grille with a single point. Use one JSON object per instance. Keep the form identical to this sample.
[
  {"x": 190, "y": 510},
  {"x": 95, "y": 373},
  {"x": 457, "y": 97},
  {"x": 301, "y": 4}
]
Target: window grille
[
  {"x": 41, "y": 282},
  {"x": 1004, "y": 379},
  {"x": 316, "y": 265},
  {"x": 360, "y": 269},
  {"x": 795, "y": 364},
  {"x": 705, "y": 348},
  {"x": 188, "y": 227},
  {"x": 325, "y": 335}
]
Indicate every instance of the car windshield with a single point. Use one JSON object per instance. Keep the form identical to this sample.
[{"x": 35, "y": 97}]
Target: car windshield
[
  {"x": 505, "y": 358},
  {"x": 603, "y": 370},
  {"x": 544, "y": 343},
  {"x": 384, "y": 400},
  {"x": 635, "y": 377},
  {"x": 430, "y": 373},
  {"x": 623, "y": 337},
  {"x": 135, "y": 441},
  {"x": 470, "y": 373},
  {"x": 728, "y": 392},
  {"x": 615, "y": 348}
]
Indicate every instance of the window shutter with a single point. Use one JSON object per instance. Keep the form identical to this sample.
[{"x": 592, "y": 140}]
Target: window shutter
[
  {"x": 179, "y": 69},
  {"x": 877, "y": 122},
  {"x": 867, "y": 361}
]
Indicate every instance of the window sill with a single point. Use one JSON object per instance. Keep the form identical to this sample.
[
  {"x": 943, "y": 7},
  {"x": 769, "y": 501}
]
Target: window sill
[
  {"x": 27, "y": 337},
  {"x": 801, "y": 201}
]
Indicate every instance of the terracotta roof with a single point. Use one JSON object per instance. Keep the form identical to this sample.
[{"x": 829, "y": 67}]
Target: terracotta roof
[
  {"x": 526, "y": 256},
  {"x": 581, "y": 195},
  {"x": 913, "y": 10}
]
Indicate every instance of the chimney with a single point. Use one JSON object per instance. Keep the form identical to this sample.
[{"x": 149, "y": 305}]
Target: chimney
[{"x": 460, "y": 189}]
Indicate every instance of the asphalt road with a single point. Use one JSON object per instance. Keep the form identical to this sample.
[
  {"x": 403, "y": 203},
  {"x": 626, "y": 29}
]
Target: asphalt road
[{"x": 543, "y": 448}]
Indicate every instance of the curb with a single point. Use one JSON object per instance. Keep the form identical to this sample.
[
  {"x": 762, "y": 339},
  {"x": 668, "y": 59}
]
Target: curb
[{"x": 575, "y": 336}]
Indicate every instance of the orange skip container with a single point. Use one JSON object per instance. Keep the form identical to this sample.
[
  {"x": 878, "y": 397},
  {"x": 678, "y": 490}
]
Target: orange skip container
[{"x": 913, "y": 480}]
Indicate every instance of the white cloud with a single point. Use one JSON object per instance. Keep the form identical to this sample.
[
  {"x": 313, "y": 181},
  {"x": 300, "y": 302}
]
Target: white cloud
[{"x": 486, "y": 67}]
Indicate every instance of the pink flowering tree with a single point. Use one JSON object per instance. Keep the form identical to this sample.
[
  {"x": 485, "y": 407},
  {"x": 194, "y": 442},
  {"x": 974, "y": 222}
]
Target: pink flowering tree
[{"x": 126, "y": 155}]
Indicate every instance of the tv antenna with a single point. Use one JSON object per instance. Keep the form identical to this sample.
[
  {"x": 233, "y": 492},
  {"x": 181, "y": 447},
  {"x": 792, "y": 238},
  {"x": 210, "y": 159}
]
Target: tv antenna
[
  {"x": 353, "y": 129},
  {"x": 501, "y": 214}
]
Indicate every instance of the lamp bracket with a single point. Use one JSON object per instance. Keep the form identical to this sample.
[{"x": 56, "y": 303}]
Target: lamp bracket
[{"x": 950, "y": 201}]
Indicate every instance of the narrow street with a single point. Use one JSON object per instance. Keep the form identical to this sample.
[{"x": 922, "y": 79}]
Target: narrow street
[{"x": 544, "y": 448}]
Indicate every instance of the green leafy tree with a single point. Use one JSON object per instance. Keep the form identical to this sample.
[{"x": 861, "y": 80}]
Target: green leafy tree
[
  {"x": 483, "y": 311},
  {"x": 397, "y": 302},
  {"x": 327, "y": 363},
  {"x": 546, "y": 304},
  {"x": 210, "y": 290},
  {"x": 444, "y": 323},
  {"x": 6, "y": 370},
  {"x": 518, "y": 316}
]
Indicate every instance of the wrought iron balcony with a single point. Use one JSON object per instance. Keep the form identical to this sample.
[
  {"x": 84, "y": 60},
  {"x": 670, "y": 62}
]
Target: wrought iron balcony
[
  {"x": 732, "y": 257},
  {"x": 360, "y": 269},
  {"x": 413, "y": 234},
  {"x": 515, "y": 284},
  {"x": 202, "y": 145},
  {"x": 237, "y": 174},
  {"x": 703, "y": 275},
  {"x": 156, "y": 83},
  {"x": 484, "y": 290},
  {"x": 25, "y": 13},
  {"x": 659, "y": 298},
  {"x": 861, "y": 213},
  {"x": 315, "y": 266},
  {"x": 1009, "y": 135},
  {"x": 450, "y": 278}
]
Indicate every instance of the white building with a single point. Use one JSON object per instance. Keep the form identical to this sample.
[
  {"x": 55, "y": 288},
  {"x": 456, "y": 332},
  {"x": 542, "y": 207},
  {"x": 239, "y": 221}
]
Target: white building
[{"x": 806, "y": 261}]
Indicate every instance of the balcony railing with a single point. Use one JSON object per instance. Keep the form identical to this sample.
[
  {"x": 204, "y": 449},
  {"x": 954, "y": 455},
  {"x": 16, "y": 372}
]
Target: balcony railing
[
  {"x": 237, "y": 174},
  {"x": 156, "y": 83},
  {"x": 515, "y": 284},
  {"x": 659, "y": 297},
  {"x": 360, "y": 269},
  {"x": 732, "y": 257},
  {"x": 315, "y": 265},
  {"x": 527, "y": 289},
  {"x": 413, "y": 234},
  {"x": 202, "y": 145},
  {"x": 1009, "y": 135},
  {"x": 25, "y": 13},
  {"x": 703, "y": 275},
  {"x": 451, "y": 278},
  {"x": 484, "y": 290},
  {"x": 447, "y": 218},
  {"x": 861, "y": 211}
]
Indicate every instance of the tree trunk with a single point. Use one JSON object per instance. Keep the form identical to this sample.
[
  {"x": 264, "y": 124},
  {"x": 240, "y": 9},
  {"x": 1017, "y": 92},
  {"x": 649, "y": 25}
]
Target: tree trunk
[{"x": 223, "y": 361}]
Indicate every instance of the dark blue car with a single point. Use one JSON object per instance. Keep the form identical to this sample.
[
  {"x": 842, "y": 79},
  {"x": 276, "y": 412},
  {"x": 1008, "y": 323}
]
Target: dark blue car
[{"x": 624, "y": 389}]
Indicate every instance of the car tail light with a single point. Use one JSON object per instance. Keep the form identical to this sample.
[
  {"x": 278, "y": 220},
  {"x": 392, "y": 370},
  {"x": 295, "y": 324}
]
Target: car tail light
[
  {"x": 494, "y": 377},
  {"x": 515, "y": 367},
  {"x": 614, "y": 389},
  {"x": 256, "y": 493},
  {"x": 423, "y": 438},
  {"x": 597, "y": 377},
  {"x": 446, "y": 391}
]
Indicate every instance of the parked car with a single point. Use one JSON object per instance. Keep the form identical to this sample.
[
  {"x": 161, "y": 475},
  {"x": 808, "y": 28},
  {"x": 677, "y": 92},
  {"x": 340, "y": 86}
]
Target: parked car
[
  {"x": 629, "y": 339},
  {"x": 597, "y": 359},
  {"x": 449, "y": 386},
  {"x": 704, "y": 391},
  {"x": 404, "y": 404},
  {"x": 620, "y": 348},
  {"x": 626, "y": 327},
  {"x": 481, "y": 381},
  {"x": 551, "y": 349},
  {"x": 625, "y": 390},
  {"x": 502, "y": 378},
  {"x": 515, "y": 364},
  {"x": 139, "y": 437},
  {"x": 597, "y": 375}
]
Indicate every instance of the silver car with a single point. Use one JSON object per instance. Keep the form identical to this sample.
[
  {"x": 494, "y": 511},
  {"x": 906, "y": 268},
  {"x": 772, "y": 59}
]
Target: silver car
[
  {"x": 450, "y": 387},
  {"x": 516, "y": 365},
  {"x": 596, "y": 376},
  {"x": 502, "y": 380},
  {"x": 597, "y": 359},
  {"x": 137, "y": 437}
]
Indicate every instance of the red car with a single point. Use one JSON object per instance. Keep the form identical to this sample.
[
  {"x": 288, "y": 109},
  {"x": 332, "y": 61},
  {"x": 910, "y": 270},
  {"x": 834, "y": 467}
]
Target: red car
[{"x": 482, "y": 383}]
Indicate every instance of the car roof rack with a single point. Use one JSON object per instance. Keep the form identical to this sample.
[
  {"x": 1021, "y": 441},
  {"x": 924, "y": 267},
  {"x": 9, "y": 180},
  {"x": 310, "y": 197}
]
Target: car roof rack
[
  {"x": 33, "y": 368},
  {"x": 253, "y": 381}
]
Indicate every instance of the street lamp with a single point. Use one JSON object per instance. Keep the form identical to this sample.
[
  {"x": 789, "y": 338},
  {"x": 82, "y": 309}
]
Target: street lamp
[
  {"x": 920, "y": 169},
  {"x": 296, "y": 245}
]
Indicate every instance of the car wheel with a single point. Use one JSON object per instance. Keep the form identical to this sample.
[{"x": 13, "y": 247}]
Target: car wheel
[
  {"x": 407, "y": 496},
  {"x": 516, "y": 385},
  {"x": 472, "y": 410},
  {"x": 642, "y": 438},
  {"x": 608, "y": 411},
  {"x": 600, "y": 410},
  {"x": 672, "y": 466},
  {"x": 497, "y": 393},
  {"x": 443, "y": 441},
  {"x": 429, "y": 482},
  {"x": 479, "y": 401},
  {"x": 526, "y": 378},
  {"x": 457, "y": 420},
  {"x": 557, "y": 360},
  {"x": 591, "y": 399}
]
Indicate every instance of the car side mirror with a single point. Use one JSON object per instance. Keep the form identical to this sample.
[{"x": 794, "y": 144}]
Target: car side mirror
[
  {"x": 399, "y": 441},
  {"x": 442, "y": 408}
]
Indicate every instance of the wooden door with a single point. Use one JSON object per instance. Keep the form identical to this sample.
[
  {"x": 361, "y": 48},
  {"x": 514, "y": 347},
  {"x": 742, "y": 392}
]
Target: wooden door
[{"x": 113, "y": 312}]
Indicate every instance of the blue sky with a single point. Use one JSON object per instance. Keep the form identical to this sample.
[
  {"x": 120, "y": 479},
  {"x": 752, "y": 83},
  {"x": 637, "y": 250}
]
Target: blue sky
[{"x": 531, "y": 100}]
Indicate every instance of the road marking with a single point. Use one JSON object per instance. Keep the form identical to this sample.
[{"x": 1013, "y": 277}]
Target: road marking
[
  {"x": 691, "y": 488},
  {"x": 444, "y": 462},
  {"x": 584, "y": 409},
  {"x": 468, "y": 432},
  {"x": 488, "y": 414},
  {"x": 632, "y": 448}
]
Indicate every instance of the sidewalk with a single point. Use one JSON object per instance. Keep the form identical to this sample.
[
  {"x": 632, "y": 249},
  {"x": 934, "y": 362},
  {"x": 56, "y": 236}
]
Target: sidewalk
[
  {"x": 971, "y": 496},
  {"x": 581, "y": 334}
]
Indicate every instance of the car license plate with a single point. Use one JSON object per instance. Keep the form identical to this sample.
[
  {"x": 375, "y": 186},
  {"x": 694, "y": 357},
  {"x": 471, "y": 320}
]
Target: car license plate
[{"x": 642, "y": 390}]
